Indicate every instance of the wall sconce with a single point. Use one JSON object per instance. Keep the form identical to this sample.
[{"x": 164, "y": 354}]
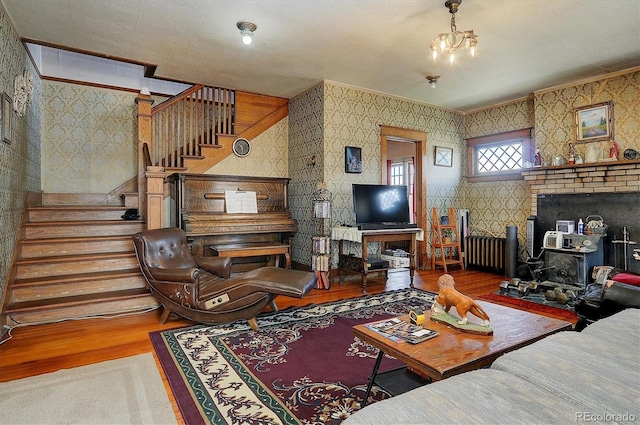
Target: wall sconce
[
  {"x": 312, "y": 161},
  {"x": 246, "y": 29}
]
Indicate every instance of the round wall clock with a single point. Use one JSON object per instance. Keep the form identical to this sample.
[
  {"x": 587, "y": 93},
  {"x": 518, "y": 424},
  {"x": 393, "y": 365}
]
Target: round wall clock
[{"x": 241, "y": 147}]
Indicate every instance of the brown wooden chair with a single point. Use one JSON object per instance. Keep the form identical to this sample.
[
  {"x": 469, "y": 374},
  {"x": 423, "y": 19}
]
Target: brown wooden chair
[{"x": 201, "y": 289}]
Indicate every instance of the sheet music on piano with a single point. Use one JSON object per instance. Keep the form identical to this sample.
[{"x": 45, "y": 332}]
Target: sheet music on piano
[{"x": 240, "y": 201}]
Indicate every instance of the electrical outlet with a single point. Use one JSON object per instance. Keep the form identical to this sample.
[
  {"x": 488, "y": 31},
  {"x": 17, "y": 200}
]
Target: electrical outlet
[{"x": 214, "y": 302}]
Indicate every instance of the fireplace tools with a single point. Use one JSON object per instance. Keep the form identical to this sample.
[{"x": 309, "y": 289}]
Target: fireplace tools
[{"x": 625, "y": 247}]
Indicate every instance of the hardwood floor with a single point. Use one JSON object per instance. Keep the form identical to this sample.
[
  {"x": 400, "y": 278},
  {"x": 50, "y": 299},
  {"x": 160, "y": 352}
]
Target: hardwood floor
[{"x": 38, "y": 349}]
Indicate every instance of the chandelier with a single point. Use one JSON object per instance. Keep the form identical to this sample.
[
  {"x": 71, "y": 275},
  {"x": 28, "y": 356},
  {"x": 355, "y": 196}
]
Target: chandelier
[{"x": 451, "y": 42}]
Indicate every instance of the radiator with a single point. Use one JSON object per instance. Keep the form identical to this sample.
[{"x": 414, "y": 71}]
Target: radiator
[{"x": 485, "y": 252}]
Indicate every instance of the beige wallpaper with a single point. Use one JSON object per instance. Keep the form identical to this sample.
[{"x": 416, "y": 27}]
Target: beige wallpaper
[
  {"x": 554, "y": 112},
  {"x": 269, "y": 155},
  {"x": 329, "y": 117},
  {"x": 19, "y": 160},
  {"x": 495, "y": 205},
  {"x": 89, "y": 138}
]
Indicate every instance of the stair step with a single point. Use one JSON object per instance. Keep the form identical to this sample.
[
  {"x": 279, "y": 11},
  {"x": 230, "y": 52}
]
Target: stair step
[
  {"x": 131, "y": 200},
  {"x": 75, "y": 213},
  {"x": 32, "y": 289},
  {"x": 57, "y": 309},
  {"x": 36, "y": 248},
  {"x": 49, "y": 229},
  {"x": 28, "y": 268}
]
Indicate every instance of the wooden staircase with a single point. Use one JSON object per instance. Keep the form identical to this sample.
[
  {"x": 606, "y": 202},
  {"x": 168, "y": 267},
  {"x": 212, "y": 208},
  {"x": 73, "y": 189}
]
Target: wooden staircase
[{"x": 76, "y": 261}]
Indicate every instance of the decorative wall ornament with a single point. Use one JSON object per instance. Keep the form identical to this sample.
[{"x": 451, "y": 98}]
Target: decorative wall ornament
[
  {"x": 443, "y": 157},
  {"x": 23, "y": 89},
  {"x": 6, "y": 119}
]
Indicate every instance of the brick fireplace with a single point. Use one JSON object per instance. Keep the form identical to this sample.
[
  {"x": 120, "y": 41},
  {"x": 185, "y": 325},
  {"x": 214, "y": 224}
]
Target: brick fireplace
[{"x": 607, "y": 189}]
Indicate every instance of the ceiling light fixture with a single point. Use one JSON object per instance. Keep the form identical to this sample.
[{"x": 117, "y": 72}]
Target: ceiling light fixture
[
  {"x": 246, "y": 29},
  {"x": 433, "y": 80},
  {"x": 451, "y": 42}
]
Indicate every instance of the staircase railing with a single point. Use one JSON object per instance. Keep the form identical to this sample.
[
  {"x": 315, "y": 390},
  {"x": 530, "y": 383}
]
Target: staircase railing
[{"x": 180, "y": 125}]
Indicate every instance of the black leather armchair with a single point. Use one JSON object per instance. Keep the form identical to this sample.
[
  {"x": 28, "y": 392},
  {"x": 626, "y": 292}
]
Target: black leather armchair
[
  {"x": 202, "y": 289},
  {"x": 608, "y": 299}
]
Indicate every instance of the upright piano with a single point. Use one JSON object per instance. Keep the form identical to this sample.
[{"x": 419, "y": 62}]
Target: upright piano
[{"x": 201, "y": 212}]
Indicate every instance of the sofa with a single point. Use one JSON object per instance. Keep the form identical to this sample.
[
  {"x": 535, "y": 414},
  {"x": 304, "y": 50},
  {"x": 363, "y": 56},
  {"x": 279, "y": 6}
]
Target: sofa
[{"x": 568, "y": 377}]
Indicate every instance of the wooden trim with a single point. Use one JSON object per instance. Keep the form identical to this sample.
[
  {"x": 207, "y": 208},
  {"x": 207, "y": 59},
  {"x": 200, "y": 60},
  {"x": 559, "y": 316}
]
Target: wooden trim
[
  {"x": 472, "y": 142},
  {"x": 389, "y": 133}
]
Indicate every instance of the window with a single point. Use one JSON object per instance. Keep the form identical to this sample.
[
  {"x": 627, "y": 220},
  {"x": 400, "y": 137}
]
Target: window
[
  {"x": 401, "y": 172},
  {"x": 499, "y": 156}
]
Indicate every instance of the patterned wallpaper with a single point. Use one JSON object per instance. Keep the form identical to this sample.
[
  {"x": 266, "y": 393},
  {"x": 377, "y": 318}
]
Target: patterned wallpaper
[
  {"x": 20, "y": 160},
  {"x": 306, "y": 139},
  {"x": 89, "y": 138},
  {"x": 494, "y": 205},
  {"x": 329, "y": 117},
  {"x": 269, "y": 155},
  {"x": 554, "y": 111}
]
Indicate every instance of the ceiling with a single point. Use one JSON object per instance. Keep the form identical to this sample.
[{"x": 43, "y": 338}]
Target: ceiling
[{"x": 380, "y": 45}]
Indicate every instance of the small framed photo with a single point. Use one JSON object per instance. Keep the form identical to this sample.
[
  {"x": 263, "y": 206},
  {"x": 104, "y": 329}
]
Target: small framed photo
[
  {"x": 6, "y": 118},
  {"x": 443, "y": 157},
  {"x": 594, "y": 123},
  {"x": 352, "y": 159}
]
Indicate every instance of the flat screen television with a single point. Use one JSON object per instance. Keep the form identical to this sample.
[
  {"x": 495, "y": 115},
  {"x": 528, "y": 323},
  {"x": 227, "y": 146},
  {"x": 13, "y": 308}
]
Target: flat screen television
[{"x": 379, "y": 206}]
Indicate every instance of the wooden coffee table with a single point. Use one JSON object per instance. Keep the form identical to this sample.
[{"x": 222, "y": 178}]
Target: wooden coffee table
[{"x": 453, "y": 351}]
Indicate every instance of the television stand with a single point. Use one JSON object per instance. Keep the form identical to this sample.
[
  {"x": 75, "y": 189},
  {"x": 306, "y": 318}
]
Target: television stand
[{"x": 355, "y": 264}]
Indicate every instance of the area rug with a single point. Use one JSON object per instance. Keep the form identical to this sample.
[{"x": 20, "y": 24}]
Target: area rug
[
  {"x": 303, "y": 366},
  {"x": 534, "y": 303},
  {"x": 123, "y": 391}
]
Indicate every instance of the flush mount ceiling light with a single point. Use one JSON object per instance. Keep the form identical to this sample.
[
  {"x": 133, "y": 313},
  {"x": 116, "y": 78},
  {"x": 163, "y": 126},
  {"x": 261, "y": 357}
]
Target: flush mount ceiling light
[
  {"x": 451, "y": 42},
  {"x": 246, "y": 29},
  {"x": 433, "y": 80}
]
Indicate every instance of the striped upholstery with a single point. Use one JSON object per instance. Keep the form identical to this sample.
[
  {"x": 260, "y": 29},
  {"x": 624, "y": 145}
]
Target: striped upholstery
[{"x": 568, "y": 377}]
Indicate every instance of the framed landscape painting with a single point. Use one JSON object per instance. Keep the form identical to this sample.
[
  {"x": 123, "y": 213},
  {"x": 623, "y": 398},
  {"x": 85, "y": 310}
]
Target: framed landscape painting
[{"x": 594, "y": 123}]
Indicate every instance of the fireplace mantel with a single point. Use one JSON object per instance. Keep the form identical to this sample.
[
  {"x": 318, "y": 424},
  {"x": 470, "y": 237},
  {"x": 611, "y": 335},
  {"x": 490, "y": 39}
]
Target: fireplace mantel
[{"x": 597, "y": 177}]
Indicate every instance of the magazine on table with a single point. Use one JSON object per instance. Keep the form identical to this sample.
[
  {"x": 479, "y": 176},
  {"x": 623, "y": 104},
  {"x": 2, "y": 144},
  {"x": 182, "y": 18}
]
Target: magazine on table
[{"x": 398, "y": 330}]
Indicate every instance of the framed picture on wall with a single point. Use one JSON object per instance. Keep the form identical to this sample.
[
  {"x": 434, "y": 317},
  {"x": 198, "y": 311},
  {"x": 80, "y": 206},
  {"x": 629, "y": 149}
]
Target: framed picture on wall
[
  {"x": 352, "y": 159},
  {"x": 443, "y": 157},
  {"x": 6, "y": 118},
  {"x": 594, "y": 123}
]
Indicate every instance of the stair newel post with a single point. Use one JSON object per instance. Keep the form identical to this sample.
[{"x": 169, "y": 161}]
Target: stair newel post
[
  {"x": 154, "y": 196},
  {"x": 144, "y": 102}
]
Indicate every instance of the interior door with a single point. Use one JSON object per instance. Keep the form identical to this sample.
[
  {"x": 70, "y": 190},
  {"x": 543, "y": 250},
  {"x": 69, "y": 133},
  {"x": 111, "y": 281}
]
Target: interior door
[{"x": 418, "y": 139}]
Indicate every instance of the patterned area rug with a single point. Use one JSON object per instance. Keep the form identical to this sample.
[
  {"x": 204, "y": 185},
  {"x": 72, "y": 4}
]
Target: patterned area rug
[{"x": 303, "y": 366}]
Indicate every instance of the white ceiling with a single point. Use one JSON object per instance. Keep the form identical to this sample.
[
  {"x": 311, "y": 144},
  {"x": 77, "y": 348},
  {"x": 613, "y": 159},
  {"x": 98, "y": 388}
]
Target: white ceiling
[{"x": 380, "y": 45}]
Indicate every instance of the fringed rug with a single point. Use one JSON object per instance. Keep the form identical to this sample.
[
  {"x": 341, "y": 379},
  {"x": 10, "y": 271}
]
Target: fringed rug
[
  {"x": 303, "y": 366},
  {"x": 534, "y": 304}
]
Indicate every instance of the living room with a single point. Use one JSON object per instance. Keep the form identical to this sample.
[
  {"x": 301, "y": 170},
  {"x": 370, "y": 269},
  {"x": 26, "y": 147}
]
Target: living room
[{"x": 323, "y": 119}]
